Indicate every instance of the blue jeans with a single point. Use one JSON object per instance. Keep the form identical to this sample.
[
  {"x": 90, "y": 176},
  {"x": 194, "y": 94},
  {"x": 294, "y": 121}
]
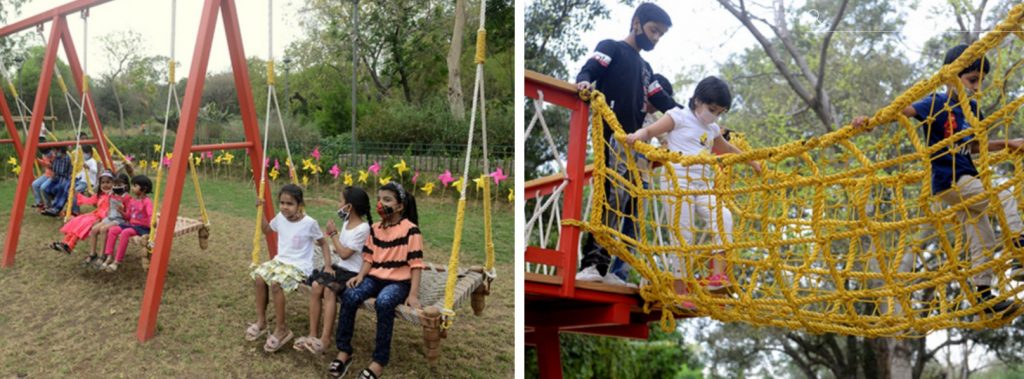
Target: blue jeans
[
  {"x": 57, "y": 191},
  {"x": 390, "y": 294},
  {"x": 37, "y": 187}
]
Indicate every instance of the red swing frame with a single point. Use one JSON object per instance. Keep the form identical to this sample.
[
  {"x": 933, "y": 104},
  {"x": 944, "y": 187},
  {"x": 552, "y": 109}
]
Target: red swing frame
[{"x": 183, "y": 144}]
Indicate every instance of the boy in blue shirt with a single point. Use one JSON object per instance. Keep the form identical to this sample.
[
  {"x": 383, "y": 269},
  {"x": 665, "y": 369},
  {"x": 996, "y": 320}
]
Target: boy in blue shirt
[{"x": 954, "y": 176}]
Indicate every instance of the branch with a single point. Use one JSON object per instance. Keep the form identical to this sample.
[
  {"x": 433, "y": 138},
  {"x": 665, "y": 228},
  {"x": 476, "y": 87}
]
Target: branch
[
  {"x": 745, "y": 19},
  {"x": 824, "y": 48},
  {"x": 928, "y": 355}
]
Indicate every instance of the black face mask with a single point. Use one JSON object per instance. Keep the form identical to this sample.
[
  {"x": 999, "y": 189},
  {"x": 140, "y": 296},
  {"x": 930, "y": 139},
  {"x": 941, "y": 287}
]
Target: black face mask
[
  {"x": 643, "y": 42},
  {"x": 119, "y": 190},
  {"x": 343, "y": 214}
]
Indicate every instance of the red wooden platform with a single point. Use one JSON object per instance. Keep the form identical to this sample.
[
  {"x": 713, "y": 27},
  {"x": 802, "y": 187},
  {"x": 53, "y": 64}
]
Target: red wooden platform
[{"x": 557, "y": 304}]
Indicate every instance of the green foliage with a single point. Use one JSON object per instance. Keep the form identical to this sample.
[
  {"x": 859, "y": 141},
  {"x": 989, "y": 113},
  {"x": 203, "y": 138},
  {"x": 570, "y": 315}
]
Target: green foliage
[{"x": 663, "y": 355}]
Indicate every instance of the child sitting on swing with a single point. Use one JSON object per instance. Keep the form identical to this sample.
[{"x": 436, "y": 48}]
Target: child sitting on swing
[
  {"x": 81, "y": 226},
  {"x": 137, "y": 209}
]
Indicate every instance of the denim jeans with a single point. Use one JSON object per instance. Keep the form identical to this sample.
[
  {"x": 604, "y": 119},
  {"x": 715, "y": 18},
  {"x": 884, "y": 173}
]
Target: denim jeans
[
  {"x": 390, "y": 294},
  {"x": 621, "y": 200},
  {"x": 37, "y": 187}
]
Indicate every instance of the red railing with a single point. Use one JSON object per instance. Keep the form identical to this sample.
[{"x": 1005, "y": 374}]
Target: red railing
[{"x": 563, "y": 259}]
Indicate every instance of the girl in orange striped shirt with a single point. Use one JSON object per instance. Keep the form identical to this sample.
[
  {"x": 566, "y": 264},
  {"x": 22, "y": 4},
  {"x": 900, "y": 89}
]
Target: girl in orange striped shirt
[{"x": 392, "y": 262}]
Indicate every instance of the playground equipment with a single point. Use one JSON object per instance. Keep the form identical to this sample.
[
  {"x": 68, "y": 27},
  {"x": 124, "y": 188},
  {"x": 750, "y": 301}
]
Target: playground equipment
[
  {"x": 167, "y": 225},
  {"x": 840, "y": 234}
]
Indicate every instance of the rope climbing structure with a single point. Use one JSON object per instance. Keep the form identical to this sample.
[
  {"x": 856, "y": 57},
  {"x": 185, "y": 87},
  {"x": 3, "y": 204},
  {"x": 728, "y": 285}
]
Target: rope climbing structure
[{"x": 841, "y": 232}]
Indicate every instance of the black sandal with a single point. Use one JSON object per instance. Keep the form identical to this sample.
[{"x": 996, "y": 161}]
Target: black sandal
[
  {"x": 338, "y": 368},
  {"x": 367, "y": 374}
]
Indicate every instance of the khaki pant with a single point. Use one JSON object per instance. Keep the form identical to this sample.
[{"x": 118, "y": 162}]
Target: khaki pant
[{"x": 977, "y": 227}]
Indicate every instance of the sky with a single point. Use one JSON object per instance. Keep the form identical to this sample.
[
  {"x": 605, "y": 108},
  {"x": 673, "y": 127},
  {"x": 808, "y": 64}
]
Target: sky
[
  {"x": 152, "y": 19},
  {"x": 704, "y": 34}
]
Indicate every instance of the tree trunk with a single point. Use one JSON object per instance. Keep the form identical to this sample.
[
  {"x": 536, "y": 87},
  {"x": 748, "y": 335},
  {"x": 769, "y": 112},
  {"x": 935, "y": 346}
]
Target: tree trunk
[
  {"x": 120, "y": 108},
  {"x": 458, "y": 108},
  {"x": 900, "y": 358}
]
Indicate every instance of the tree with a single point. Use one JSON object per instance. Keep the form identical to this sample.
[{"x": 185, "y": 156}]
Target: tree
[
  {"x": 122, "y": 52},
  {"x": 455, "y": 63}
]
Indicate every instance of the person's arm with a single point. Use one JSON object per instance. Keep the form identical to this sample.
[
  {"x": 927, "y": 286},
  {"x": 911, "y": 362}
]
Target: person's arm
[
  {"x": 264, "y": 225},
  {"x": 1014, "y": 145},
  {"x": 862, "y": 121},
  {"x": 597, "y": 65},
  {"x": 413, "y": 301},
  {"x": 328, "y": 265},
  {"x": 363, "y": 271},
  {"x": 664, "y": 124},
  {"x": 728, "y": 148}
]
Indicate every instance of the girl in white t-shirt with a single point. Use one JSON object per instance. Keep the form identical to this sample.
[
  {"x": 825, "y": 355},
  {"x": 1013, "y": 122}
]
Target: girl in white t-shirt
[
  {"x": 296, "y": 235},
  {"x": 693, "y": 131},
  {"x": 340, "y": 265}
]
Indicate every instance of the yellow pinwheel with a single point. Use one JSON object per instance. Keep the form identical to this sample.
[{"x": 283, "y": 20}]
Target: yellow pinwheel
[
  {"x": 401, "y": 167},
  {"x": 428, "y": 189},
  {"x": 348, "y": 179},
  {"x": 305, "y": 180},
  {"x": 481, "y": 181},
  {"x": 156, "y": 148},
  {"x": 459, "y": 183},
  {"x": 228, "y": 157},
  {"x": 511, "y": 196},
  {"x": 385, "y": 180},
  {"x": 363, "y": 176},
  {"x": 274, "y": 174}
]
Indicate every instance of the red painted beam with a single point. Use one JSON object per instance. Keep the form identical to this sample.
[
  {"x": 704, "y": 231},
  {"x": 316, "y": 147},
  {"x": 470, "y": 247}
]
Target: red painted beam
[
  {"x": 544, "y": 256},
  {"x": 638, "y": 331},
  {"x": 247, "y": 109},
  {"x": 26, "y": 176},
  {"x": 7, "y": 140},
  {"x": 222, "y": 146},
  {"x": 90, "y": 109},
  {"x": 549, "y": 352},
  {"x": 12, "y": 130},
  {"x": 49, "y": 15},
  {"x": 580, "y": 316},
  {"x": 176, "y": 174},
  {"x": 90, "y": 141}
]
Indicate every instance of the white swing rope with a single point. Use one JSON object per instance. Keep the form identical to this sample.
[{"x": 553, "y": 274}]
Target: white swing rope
[{"x": 272, "y": 103}]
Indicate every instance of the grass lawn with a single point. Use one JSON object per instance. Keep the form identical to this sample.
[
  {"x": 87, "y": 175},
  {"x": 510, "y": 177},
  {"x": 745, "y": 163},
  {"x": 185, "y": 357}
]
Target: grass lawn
[{"x": 59, "y": 318}]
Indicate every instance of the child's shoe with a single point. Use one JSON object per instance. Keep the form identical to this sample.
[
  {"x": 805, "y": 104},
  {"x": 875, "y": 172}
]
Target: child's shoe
[
  {"x": 615, "y": 280},
  {"x": 110, "y": 267},
  {"x": 589, "y": 274}
]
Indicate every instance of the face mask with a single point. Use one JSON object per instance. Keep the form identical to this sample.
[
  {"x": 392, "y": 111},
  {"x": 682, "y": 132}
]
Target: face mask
[
  {"x": 643, "y": 42},
  {"x": 119, "y": 190},
  {"x": 343, "y": 214},
  {"x": 706, "y": 117},
  {"x": 384, "y": 211}
]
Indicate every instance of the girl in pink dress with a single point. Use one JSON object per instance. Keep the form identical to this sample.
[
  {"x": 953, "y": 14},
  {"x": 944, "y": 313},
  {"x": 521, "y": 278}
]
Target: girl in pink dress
[{"x": 79, "y": 227}]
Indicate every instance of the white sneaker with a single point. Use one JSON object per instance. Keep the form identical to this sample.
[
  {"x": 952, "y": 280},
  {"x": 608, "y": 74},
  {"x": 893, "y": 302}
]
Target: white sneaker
[
  {"x": 589, "y": 274},
  {"x": 614, "y": 280}
]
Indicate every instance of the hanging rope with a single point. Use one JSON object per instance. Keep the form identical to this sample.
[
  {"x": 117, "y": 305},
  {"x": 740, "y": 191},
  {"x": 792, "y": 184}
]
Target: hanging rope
[
  {"x": 272, "y": 104},
  {"x": 448, "y": 312}
]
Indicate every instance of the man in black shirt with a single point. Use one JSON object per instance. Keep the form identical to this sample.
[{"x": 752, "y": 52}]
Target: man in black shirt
[{"x": 627, "y": 82}]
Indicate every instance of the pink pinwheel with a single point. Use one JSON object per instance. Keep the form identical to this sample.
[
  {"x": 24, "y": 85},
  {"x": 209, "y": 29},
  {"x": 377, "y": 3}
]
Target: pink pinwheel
[
  {"x": 375, "y": 168},
  {"x": 316, "y": 154},
  {"x": 446, "y": 178},
  {"x": 498, "y": 175},
  {"x": 277, "y": 165},
  {"x": 414, "y": 177},
  {"x": 208, "y": 155},
  {"x": 266, "y": 162},
  {"x": 335, "y": 171},
  {"x": 129, "y": 158},
  {"x": 166, "y": 160}
]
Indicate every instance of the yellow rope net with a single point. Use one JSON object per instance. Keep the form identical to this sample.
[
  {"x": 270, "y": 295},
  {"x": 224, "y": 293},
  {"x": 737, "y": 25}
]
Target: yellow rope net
[{"x": 840, "y": 233}]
